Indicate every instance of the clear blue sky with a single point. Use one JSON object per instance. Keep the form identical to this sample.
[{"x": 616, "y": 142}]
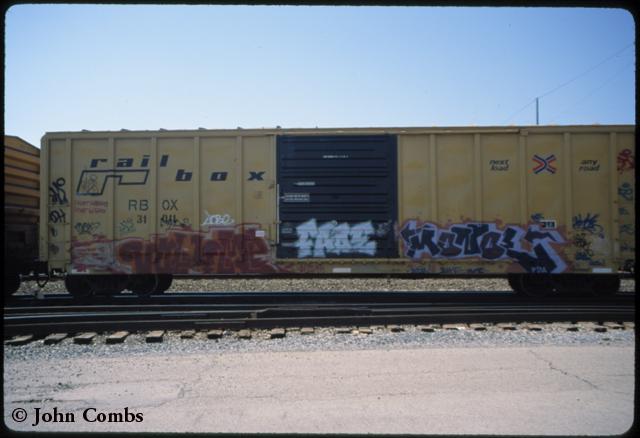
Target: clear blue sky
[{"x": 107, "y": 67}]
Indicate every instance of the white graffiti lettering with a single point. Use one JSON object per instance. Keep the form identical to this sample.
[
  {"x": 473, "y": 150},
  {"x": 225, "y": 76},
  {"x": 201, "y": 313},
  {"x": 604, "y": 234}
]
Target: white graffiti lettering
[
  {"x": 333, "y": 238},
  {"x": 217, "y": 219}
]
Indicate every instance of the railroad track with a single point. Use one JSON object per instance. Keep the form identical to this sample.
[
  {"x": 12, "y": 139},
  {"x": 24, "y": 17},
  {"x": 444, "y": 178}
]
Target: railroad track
[{"x": 60, "y": 313}]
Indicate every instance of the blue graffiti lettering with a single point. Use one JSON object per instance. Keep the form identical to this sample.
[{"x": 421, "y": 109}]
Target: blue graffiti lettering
[{"x": 485, "y": 241}]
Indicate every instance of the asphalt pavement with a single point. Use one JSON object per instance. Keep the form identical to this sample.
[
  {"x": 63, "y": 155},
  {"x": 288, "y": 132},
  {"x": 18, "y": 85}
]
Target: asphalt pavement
[{"x": 584, "y": 389}]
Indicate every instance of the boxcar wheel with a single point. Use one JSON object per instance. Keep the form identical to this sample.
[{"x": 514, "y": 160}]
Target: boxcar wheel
[
  {"x": 164, "y": 283},
  {"x": 514, "y": 282},
  {"x": 143, "y": 285},
  {"x": 78, "y": 286},
  {"x": 603, "y": 285},
  {"x": 11, "y": 283},
  {"x": 537, "y": 285}
]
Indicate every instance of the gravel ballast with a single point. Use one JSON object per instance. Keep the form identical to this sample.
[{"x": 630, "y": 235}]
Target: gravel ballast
[
  {"x": 323, "y": 285},
  {"x": 326, "y": 338}
]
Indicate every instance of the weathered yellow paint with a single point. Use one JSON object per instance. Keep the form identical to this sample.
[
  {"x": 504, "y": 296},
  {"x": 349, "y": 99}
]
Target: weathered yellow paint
[
  {"x": 201, "y": 181},
  {"x": 21, "y": 199}
]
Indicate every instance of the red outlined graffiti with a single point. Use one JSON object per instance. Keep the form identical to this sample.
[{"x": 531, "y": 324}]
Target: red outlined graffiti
[
  {"x": 221, "y": 250},
  {"x": 626, "y": 160}
]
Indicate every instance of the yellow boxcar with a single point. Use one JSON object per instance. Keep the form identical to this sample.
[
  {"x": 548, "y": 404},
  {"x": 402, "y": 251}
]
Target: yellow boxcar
[
  {"x": 414, "y": 201},
  {"x": 21, "y": 214}
]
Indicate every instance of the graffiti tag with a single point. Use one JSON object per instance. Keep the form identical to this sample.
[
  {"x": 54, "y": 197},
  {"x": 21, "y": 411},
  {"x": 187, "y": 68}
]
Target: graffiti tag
[
  {"x": 57, "y": 216},
  {"x": 626, "y": 160},
  {"x": 625, "y": 247},
  {"x": 220, "y": 250},
  {"x": 627, "y": 229},
  {"x": 485, "y": 240},
  {"x": 86, "y": 227},
  {"x": 583, "y": 244},
  {"x": 57, "y": 194},
  {"x": 217, "y": 219},
  {"x": 334, "y": 238},
  {"x": 127, "y": 226},
  {"x": 626, "y": 191},
  {"x": 589, "y": 224}
]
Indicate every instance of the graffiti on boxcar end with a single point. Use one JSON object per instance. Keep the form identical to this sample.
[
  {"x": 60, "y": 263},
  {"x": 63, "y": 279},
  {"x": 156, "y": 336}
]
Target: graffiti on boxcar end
[
  {"x": 622, "y": 211},
  {"x": 217, "y": 219},
  {"x": 589, "y": 224},
  {"x": 626, "y": 160},
  {"x": 334, "y": 238},
  {"x": 57, "y": 194},
  {"x": 485, "y": 241},
  {"x": 57, "y": 215},
  {"x": 626, "y": 191},
  {"x": 84, "y": 228}
]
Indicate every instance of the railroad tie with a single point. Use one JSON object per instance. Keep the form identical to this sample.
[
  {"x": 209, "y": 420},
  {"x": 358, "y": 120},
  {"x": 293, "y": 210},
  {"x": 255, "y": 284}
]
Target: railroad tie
[
  {"x": 84, "y": 338},
  {"x": 188, "y": 334},
  {"x": 20, "y": 340},
  {"x": 117, "y": 337},
  {"x": 54, "y": 338},
  {"x": 155, "y": 336},
  {"x": 214, "y": 334}
]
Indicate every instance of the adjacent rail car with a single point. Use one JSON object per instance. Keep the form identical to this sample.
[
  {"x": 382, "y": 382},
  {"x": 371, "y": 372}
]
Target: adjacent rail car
[
  {"x": 550, "y": 207},
  {"x": 21, "y": 209}
]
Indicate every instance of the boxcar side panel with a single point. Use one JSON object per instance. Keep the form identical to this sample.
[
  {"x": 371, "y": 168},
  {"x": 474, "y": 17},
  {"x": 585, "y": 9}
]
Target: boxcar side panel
[{"x": 461, "y": 201}]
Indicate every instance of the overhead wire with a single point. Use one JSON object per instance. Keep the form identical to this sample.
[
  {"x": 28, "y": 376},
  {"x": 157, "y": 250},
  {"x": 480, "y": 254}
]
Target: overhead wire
[
  {"x": 564, "y": 84},
  {"x": 593, "y": 91}
]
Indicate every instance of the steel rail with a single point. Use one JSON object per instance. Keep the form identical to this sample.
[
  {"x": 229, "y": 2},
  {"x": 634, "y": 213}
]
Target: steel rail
[
  {"x": 39, "y": 320},
  {"x": 368, "y": 297}
]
